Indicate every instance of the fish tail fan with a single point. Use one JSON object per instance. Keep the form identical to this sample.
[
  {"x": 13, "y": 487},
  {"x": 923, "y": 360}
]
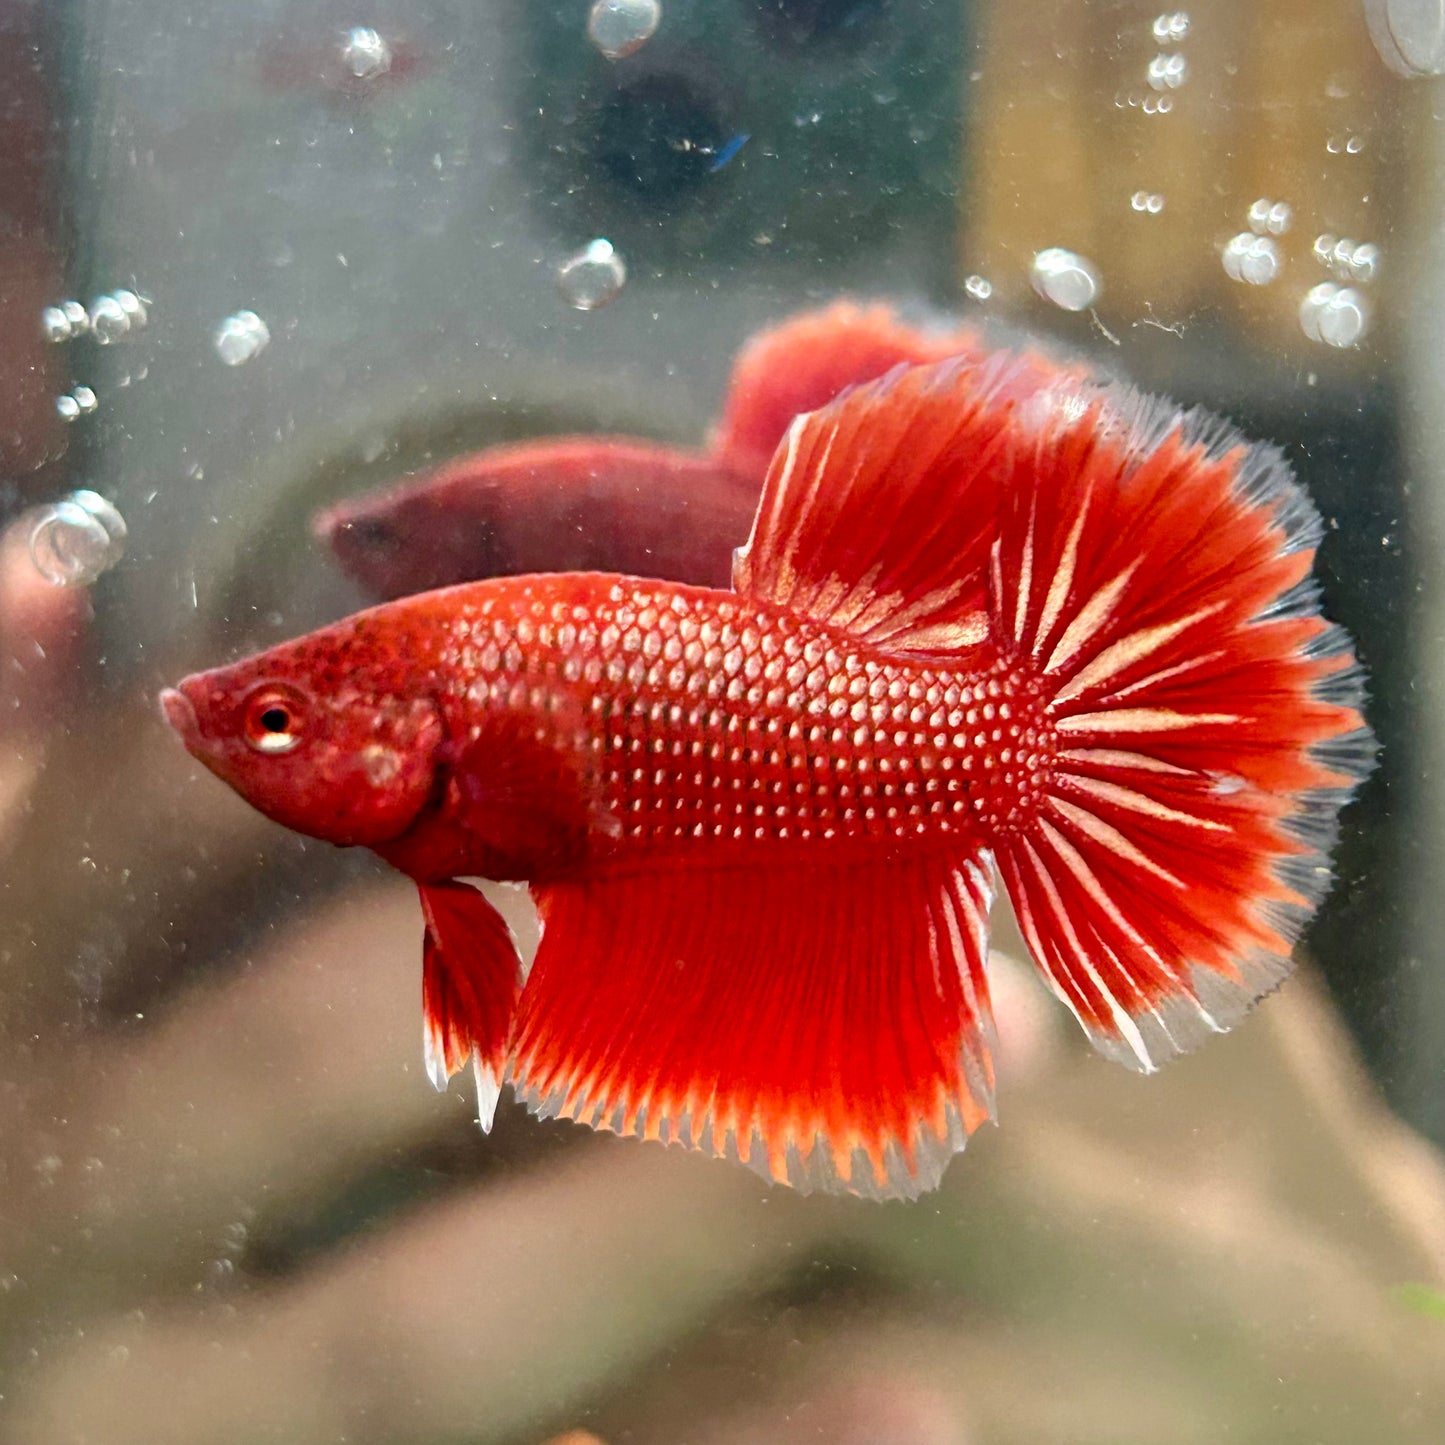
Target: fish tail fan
[
  {"x": 827, "y": 1025},
  {"x": 1162, "y": 725},
  {"x": 1198, "y": 722}
]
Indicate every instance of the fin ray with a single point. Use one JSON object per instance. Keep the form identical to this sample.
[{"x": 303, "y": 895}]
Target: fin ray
[
  {"x": 833, "y": 1034},
  {"x": 1208, "y": 719}
]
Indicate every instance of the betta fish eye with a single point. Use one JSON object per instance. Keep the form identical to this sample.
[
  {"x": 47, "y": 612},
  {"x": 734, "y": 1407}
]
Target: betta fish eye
[{"x": 274, "y": 719}]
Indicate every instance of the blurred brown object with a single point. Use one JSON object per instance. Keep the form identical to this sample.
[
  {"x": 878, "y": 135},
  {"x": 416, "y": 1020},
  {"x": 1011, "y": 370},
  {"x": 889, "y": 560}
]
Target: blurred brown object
[
  {"x": 42, "y": 638},
  {"x": 576, "y": 1437},
  {"x": 1286, "y": 101}
]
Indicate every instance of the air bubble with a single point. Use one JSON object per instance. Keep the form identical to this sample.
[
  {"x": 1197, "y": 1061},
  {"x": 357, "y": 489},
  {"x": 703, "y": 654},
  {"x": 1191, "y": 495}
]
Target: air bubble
[
  {"x": 980, "y": 288},
  {"x": 1365, "y": 262},
  {"x": 1350, "y": 145},
  {"x": 1251, "y": 259},
  {"x": 1270, "y": 217},
  {"x": 1148, "y": 202},
  {"x": 1065, "y": 278},
  {"x": 365, "y": 53},
  {"x": 1409, "y": 34},
  {"x": 64, "y": 322},
  {"x": 108, "y": 320},
  {"x": 54, "y": 324},
  {"x": 1167, "y": 72},
  {"x": 74, "y": 541},
  {"x": 72, "y": 405},
  {"x": 1334, "y": 315},
  {"x": 133, "y": 307},
  {"x": 1347, "y": 259},
  {"x": 1171, "y": 29},
  {"x": 241, "y": 338},
  {"x": 622, "y": 27},
  {"x": 594, "y": 277}
]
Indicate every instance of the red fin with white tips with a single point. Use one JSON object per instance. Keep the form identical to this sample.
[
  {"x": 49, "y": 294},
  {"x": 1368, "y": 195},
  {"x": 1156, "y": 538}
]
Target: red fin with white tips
[
  {"x": 1154, "y": 576},
  {"x": 826, "y": 1024},
  {"x": 805, "y": 361},
  {"x": 471, "y": 980},
  {"x": 1145, "y": 573}
]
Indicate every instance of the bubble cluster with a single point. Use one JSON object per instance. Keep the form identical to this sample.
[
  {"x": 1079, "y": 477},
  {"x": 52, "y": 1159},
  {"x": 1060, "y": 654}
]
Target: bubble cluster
[
  {"x": 365, "y": 53},
  {"x": 78, "y": 402},
  {"x": 979, "y": 288},
  {"x": 75, "y": 540},
  {"x": 1349, "y": 260},
  {"x": 59, "y": 324},
  {"x": 240, "y": 338},
  {"x": 1167, "y": 72},
  {"x": 1251, "y": 259},
  {"x": 110, "y": 318},
  {"x": 1409, "y": 34},
  {"x": 1334, "y": 315},
  {"x": 1268, "y": 217},
  {"x": 622, "y": 27},
  {"x": 1171, "y": 29},
  {"x": 1348, "y": 145},
  {"x": 594, "y": 277},
  {"x": 1149, "y": 104},
  {"x": 1065, "y": 278},
  {"x": 1148, "y": 202}
]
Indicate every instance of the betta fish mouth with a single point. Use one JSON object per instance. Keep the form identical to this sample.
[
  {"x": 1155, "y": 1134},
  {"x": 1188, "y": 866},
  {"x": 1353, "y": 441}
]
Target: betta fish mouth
[{"x": 180, "y": 715}]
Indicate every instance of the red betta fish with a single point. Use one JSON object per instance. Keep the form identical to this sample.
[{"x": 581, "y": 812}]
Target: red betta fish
[
  {"x": 1069, "y": 635},
  {"x": 620, "y": 504}
]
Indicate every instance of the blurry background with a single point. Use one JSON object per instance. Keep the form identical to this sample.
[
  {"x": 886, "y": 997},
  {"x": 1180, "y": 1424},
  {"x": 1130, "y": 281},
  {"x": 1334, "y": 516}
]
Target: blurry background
[{"x": 231, "y": 1208}]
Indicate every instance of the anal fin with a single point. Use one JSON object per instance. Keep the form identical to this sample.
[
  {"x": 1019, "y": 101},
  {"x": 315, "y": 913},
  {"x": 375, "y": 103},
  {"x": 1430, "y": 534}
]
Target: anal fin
[
  {"x": 471, "y": 980},
  {"x": 825, "y": 1023}
]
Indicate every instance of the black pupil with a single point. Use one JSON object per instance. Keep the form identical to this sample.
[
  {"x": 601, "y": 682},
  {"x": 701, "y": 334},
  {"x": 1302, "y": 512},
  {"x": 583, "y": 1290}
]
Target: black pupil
[{"x": 276, "y": 720}]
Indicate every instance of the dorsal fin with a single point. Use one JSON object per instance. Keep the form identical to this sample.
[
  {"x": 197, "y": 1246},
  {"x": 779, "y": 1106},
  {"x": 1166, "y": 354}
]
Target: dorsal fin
[{"x": 879, "y": 511}]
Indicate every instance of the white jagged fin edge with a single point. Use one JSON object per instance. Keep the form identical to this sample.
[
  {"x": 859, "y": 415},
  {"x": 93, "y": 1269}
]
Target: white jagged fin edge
[{"x": 489, "y": 1091}]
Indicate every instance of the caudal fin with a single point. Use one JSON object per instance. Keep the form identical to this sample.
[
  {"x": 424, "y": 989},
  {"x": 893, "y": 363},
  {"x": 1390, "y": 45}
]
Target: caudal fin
[
  {"x": 1142, "y": 577},
  {"x": 1152, "y": 572}
]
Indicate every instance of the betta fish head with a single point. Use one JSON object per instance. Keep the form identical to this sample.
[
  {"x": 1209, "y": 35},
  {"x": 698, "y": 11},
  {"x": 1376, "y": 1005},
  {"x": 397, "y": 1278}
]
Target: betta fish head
[
  {"x": 321, "y": 735},
  {"x": 411, "y": 541}
]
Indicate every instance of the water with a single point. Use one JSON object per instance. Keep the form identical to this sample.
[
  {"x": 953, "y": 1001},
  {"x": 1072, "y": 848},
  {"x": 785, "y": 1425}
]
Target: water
[
  {"x": 594, "y": 277},
  {"x": 273, "y": 259}
]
